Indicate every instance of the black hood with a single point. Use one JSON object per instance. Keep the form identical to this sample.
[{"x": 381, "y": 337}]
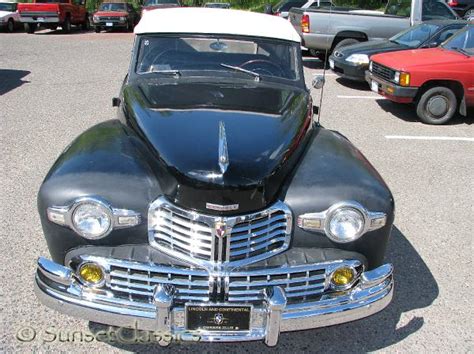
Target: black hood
[
  {"x": 264, "y": 126},
  {"x": 370, "y": 48}
]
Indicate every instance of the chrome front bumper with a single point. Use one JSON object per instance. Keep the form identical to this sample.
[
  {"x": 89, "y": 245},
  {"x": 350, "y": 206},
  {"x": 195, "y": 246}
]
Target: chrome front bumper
[{"x": 57, "y": 288}]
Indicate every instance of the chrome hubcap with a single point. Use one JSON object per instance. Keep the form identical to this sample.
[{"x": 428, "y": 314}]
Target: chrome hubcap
[{"x": 438, "y": 106}]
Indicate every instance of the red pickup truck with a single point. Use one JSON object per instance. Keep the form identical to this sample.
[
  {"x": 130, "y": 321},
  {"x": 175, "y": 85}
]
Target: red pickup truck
[
  {"x": 54, "y": 13},
  {"x": 439, "y": 81}
]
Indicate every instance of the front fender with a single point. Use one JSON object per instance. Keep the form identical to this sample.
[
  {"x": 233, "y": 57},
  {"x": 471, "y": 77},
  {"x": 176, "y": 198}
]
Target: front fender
[
  {"x": 333, "y": 170},
  {"x": 107, "y": 161}
]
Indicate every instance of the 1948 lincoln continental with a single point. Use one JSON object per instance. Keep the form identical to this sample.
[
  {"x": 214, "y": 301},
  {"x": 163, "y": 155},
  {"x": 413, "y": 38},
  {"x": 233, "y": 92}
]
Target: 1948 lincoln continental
[{"x": 214, "y": 205}]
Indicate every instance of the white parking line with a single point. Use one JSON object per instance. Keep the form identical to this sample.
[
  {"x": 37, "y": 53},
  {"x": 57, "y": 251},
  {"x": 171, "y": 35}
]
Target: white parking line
[
  {"x": 369, "y": 97},
  {"x": 411, "y": 137}
]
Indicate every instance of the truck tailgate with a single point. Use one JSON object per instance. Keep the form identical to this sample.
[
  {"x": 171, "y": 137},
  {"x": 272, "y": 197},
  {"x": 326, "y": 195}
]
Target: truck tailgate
[
  {"x": 295, "y": 16},
  {"x": 38, "y": 8}
]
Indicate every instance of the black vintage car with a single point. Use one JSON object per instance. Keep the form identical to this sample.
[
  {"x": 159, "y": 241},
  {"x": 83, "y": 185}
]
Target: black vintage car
[
  {"x": 352, "y": 61},
  {"x": 214, "y": 205}
]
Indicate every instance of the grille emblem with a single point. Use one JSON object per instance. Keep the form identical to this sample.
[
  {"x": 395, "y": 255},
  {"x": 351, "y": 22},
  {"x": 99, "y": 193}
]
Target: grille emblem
[
  {"x": 223, "y": 154},
  {"x": 221, "y": 229},
  {"x": 218, "y": 318}
]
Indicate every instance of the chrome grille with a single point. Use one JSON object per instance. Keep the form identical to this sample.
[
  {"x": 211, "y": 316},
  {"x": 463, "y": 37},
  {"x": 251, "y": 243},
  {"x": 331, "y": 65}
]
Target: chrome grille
[
  {"x": 138, "y": 283},
  {"x": 208, "y": 240},
  {"x": 383, "y": 71},
  {"x": 109, "y": 18}
]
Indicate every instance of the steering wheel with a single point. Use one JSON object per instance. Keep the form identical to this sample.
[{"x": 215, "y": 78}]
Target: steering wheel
[{"x": 257, "y": 62}]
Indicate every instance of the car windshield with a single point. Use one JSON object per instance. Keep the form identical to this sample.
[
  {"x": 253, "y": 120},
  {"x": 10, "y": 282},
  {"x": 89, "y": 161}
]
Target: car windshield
[
  {"x": 415, "y": 36},
  {"x": 113, "y": 7},
  {"x": 8, "y": 7},
  {"x": 218, "y": 55},
  {"x": 160, "y": 2},
  {"x": 462, "y": 42}
]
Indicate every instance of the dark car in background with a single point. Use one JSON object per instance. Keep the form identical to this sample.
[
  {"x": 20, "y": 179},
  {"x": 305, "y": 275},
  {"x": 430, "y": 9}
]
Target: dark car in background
[
  {"x": 464, "y": 8},
  {"x": 352, "y": 61},
  {"x": 112, "y": 15}
]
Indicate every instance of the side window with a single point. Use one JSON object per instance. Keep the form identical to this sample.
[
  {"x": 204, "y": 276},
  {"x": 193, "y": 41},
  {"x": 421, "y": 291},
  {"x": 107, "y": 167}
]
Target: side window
[
  {"x": 76, "y": 2},
  {"x": 445, "y": 34},
  {"x": 433, "y": 10}
]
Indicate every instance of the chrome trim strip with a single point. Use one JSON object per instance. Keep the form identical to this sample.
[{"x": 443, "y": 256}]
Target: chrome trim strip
[
  {"x": 223, "y": 153},
  {"x": 374, "y": 293}
]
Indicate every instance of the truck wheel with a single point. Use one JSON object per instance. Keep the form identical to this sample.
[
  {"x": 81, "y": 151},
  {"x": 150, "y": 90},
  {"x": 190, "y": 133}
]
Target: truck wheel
[
  {"x": 437, "y": 105},
  {"x": 10, "y": 25},
  {"x": 345, "y": 42},
  {"x": 30, "y": 28},
  {"x": 97, "y": 29},
  {"x": 66, "y": 25},
  {"x": 86, "y": 26}
]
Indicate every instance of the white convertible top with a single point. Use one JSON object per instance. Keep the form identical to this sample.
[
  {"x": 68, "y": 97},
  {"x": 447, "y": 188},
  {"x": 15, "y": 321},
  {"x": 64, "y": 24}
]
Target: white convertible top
[{"x": 216, "y": 21}]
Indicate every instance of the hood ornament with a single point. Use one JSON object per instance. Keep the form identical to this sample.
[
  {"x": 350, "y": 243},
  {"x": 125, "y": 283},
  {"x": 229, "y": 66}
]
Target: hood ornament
[{"x": 223, "y": 154}]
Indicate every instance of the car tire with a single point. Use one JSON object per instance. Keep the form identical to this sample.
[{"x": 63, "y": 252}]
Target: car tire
[
  {"x": 67, "y": 25},
  {"x": 30, "y": 28},
  {"x": 345, "y": 42},
  {"x": 97, "y": 29},
  {"x": 86, "y": 25},
  {"x": 437, "y": 105},
  {"x": 10, "y": 25}
]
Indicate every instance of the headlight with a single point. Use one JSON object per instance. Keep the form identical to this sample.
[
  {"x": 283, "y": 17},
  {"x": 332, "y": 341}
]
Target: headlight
[
  {"x": 358, "y": 59},
  {"x": 370, "y": 66},
  {"x": 92, "y": 219},
  {"x": 95, "y": 18},
  {"x": 345, "y": 224},
  {"x": 123, "y": 19}
]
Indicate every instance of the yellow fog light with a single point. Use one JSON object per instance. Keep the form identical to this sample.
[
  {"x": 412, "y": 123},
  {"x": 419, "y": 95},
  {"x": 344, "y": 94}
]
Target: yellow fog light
[
  {"x": 91, "y": 274},
  {"x": 342, "y": 278}
]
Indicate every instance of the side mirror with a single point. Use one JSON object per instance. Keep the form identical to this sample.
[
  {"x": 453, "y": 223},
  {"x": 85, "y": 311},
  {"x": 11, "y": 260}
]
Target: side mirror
[
  {"x": 318, "y": 82},
  {"x": 430, "y": 45},
  {"x": 116, "y": 102}
]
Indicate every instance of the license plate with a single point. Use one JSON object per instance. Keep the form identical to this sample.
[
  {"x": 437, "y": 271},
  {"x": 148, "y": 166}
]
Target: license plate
[
  {"x": 109, "y": 24},
  {"x": 374, "y": 86},
  {"x": 331, "y": 64},
  {"x": 40, "y": 19},
  {"x": 217, "y": 317}
]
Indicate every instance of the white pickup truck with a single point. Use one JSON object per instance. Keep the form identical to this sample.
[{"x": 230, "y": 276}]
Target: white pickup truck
[{"x": 323, "y": 30}]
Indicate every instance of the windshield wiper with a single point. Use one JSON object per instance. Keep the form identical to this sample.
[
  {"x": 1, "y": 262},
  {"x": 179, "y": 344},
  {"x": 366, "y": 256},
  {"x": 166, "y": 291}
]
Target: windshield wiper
[
  {"x": 461, "y": 50},
  {"x": 238, "y": 68},
  {"x": 175, "y": 73}
]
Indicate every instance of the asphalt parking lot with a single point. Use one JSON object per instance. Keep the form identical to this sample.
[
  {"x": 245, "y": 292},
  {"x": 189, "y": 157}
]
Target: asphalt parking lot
[{"x": 54, "y": 86}]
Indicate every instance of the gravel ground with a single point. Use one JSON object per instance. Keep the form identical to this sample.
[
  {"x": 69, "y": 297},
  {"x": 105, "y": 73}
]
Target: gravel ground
[{"x": 54, "y": 86}]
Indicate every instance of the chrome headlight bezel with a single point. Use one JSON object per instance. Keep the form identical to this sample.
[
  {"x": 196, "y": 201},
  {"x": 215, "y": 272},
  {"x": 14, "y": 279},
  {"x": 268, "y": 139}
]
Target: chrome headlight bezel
[
  {"x": 119, "y": 218},
  {"x": 320, "y": 222}
]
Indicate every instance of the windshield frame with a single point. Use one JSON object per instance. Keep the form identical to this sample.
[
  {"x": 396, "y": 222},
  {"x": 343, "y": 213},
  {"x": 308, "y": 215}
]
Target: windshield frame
[{"x": 211, "y": 74}]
